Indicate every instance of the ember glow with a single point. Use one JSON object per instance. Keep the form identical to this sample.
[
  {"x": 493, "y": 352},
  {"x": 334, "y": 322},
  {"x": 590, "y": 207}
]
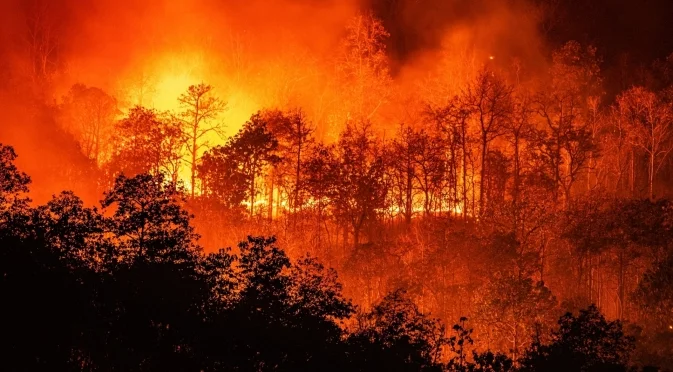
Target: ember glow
[{"x": 504, "y": 161}]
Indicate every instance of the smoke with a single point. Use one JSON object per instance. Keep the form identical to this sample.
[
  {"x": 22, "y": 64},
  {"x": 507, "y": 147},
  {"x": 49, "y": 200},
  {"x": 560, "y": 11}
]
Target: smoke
[
  {"x": 243, "y": 47},
  {"x": 256, "y": 54},
  {"x": 507, "y": 28}
]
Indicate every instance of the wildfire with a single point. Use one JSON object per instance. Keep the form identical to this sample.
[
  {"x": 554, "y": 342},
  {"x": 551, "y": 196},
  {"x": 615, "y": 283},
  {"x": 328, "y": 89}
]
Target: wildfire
[{"x": 172, "y": 74}]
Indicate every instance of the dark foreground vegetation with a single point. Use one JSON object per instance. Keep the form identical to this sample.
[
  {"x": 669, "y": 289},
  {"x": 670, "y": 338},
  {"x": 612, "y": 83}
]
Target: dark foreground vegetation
[{"x": 127, "y": 288}]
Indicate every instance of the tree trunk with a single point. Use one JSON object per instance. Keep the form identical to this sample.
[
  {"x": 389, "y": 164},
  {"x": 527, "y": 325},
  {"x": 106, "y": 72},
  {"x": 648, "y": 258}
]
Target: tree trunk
[
  {"x": 270, "y": 204},
  {"x": 464, "y": 144},
  {"x": 620, "y": 284},
  {"x": 409, "y": 195},
  {"x": 193, "y": 165},
  {"x": 651, "y": 175},
  {"x": 482, "y": 180},
  {"x": 517, "y": 171}
]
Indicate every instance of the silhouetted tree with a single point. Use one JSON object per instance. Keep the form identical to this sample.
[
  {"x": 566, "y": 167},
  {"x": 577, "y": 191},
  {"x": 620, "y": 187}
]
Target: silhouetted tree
[
  {"x": 574, "y": 77},
  {"x": 200, "y": 108},
  {"x": 245, "y": 159},
  {"x": 360, "y": 191},
  {"x": 321, "y": 172},
  {"x": 89, "y": 114},
  {"x": 415, "y": 166},
  {"x": 146, "y": 142},
  {"x": 13, "y": 184},
  {"x": 294, "y": 135},
  {"x": 586, "y": 342},
  {"x": 489, "y": 100},
  {"x": 649, "y": 120},
  {"x": 396, "y": 336},
  {"x": 148, "y": 220},
  {"x": 480, "y": 362}
]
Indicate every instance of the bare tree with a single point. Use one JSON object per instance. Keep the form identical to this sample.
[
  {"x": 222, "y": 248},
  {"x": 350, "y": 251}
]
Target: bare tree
[
  {"x": 200, "y": 110},
  {"x": 650, "y": 123},
  {"x": 489, "y": 99},
  {"x": 362, "y": 67},
  {"x": 89, "y": 114},
  {"x": 574, "y": 79},
  {"x": 41, "y": 39},
  {"x": 517, "y": 131}
]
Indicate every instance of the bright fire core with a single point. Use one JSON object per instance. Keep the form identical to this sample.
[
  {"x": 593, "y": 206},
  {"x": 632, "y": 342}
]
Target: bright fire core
[{"x": 171, "y": 77}]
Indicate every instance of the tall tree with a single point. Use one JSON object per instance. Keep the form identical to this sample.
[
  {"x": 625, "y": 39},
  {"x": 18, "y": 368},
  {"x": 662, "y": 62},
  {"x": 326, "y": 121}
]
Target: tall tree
[
  {"x": 200, "y": 109},
  {"x": 401, "y": 156},
  {"x": 89, "y": 114},
  {"x": 321, "y": 172},
  {"x": 146, "y": 141},
  {"x": 294, "y": 133},
  {"x": 452, "y": 121},
  {"x": 512, "y": 307},
  {"x": 650, "y": 124},
  {"x": 517, "y": 131},
  {"x": 489, "y": 99},
  {"x": 361, "y": 191},
  {"x": 246, "y": 157},
  {"x": 42, "y": 42},
  {"x": 574, "y": 77},
  {"x": 362, "y": 67}
]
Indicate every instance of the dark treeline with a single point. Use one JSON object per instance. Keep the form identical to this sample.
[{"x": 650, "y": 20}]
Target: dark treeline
[{"x": 128, "y": 288}]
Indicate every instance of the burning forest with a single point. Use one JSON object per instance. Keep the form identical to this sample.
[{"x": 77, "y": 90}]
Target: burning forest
[{"x": 403, "y": 185}]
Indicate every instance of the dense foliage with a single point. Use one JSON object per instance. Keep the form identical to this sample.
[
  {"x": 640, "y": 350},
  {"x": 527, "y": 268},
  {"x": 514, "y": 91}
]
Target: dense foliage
[{"x": 127, "y": 288}]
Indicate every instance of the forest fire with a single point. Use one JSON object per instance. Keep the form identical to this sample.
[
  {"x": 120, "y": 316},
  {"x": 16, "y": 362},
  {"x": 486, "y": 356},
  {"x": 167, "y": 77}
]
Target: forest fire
[{"x": 504, "y": 166}]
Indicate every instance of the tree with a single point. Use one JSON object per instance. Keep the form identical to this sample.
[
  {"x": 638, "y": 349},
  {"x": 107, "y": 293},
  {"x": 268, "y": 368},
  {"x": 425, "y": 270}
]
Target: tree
[
  {"x": 157, "y": 294},
  {"x": 13, "y": 184},
  {"x": 89, "y": 114},
  {"x": 148, "y": 220},
  {"x": 294, "y": 134},
  {"x": 415, "y": 165},
  {"x": 361, "y": 191},
  {"x": 489, "y": 100},
  {"x": 586, "y": 342},
  {"x": 400, "y": 158},
  {"x": 146, "y": 142},
  {"x": 222, "y": 178},
  {"x": 574, "y": 78},
  {"x": 650, "y": 124},
  {"x": 74, "y": 233},
  {"x": 362, "y": 68},
  {"x": 286, "y": 316},
  {"x": 654, "y": 294},
  {"x": 42, "y": 41},
  {"x": 431, "y": 165},
  {"x": 481, "y": 362},
  {"x": 200, "y": 108},
  {"x": 245, "y": 159},
  {"x": 395, "y": 335},
  {"x": 321, "y": 172},
  {"x": 517, "y": 131},
  {"x": 42, "y": 267},
  {"x": 453, "y": 121},
  {"x": 654, "y": 297},
  {"x": 512, "y": 307}
]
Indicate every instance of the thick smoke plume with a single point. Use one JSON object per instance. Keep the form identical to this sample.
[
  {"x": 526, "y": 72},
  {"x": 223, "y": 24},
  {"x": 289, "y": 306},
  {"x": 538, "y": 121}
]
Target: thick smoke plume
[{"x": 257, "y": 54}]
